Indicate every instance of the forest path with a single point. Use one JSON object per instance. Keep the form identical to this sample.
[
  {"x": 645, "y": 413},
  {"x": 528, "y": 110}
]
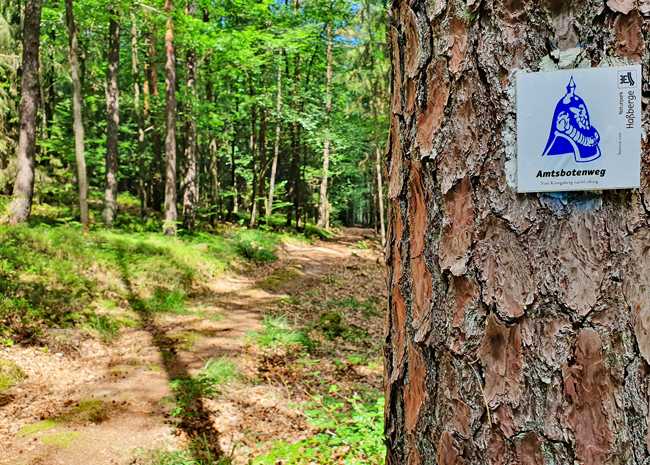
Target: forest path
[{"x": 89, "y": 402}]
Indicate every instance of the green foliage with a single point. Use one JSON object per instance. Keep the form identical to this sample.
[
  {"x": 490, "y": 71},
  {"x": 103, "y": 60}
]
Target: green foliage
[
  {"x": 177, "y": 457},
  {"x": 221, "y": 370},
  {"x": 251, "y": 252},
  {"x": 106, "y": 326},
  {"x": 58, "y": 275},
  {"x": 368, "y": 307},
  {"x": 351, "y": 430},
  {"x": 278, "y": 333},
  {"x": 188, "y": 392},
  {"x": 165, "y": 301}
]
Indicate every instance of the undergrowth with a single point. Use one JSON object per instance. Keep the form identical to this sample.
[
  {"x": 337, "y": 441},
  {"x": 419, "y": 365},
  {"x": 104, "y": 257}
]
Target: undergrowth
[
  {"x": 54, "y": 273},
  {"x": 350, "y": 432}
]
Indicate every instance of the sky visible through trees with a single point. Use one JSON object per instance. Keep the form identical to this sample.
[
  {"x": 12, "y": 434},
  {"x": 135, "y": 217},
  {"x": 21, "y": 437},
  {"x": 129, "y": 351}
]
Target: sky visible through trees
[{"x": 213, "y": 109}]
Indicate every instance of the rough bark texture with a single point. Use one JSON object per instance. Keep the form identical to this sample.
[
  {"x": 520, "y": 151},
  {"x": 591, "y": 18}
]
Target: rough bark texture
[
  {"x": 190, "y": 191},
  {"x": 323, "y": 212},
  {"x": 21, "y": 205},
  {"x": 112, "y": 120},
  {"x": 169, "y": 227},
  {"x": 76, "y": 109},
  {"x": 139, "y": 117},
  {"x": 151, "y": 88},
  {"x": 519, "y": 325}
]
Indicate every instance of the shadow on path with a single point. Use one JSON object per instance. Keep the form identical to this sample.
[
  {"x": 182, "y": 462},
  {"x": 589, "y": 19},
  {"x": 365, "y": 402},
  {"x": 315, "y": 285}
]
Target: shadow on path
[{"x": 194, "y": 416}]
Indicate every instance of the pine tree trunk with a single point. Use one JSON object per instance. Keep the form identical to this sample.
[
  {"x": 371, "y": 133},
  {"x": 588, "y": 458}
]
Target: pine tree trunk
[
  {"x": 380, "y": 186},
  {"x": 21, "y": 205},
  {"x": 323, "y": 217},
  {"x": 157, "y": 190},
  {"x": 112, "y": 120},
  {"x": 169, "y": 227},
  {"x": 274, "y": 166},
  {"x": 253, "y": 149},
  {"x": 261, "y": 180},
  {"x": 214, "y": 154},
  {"x": 519, "y": 324},
  {"x": 139, "y": 118},
  {"x": 190, "y": 194}
]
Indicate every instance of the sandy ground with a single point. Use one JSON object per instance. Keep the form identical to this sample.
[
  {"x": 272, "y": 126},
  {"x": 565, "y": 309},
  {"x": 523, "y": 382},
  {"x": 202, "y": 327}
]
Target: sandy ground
[{"x": 131, "y": 374}]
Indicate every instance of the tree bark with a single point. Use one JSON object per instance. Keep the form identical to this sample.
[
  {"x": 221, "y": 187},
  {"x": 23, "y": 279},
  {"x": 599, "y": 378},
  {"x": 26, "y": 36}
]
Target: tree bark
[
  {"x": 21, "y": 205},
  {"x": 274, "y": 166},
  {"x": 112, "y": 120},
  {"x": 190, "y": 193},
  {"x": 261, "y": 179},
  {"x": 169, "y": 227},
  {"x": 519, "y": 324},
  {"x": 380, "y": 187},
  {"x": 76, "y": 109},
  {"x": 157, "y": 190},
  {"x": 139, "y": 118},
  {"x": 214, "y": 155},
  {"x": 233, "y": 171},
  {"x": 255, "y": 158},
  {"x": 323, "y": 217}
]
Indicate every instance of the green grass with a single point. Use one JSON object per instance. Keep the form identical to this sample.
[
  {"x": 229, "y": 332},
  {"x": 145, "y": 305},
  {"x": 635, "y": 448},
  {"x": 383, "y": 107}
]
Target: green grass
[
  {"x": 221, "y": 370},
  {"x": 367, "y": 307},
  {"x": 278, "y": 333},
  {"x": 55, "y": 274}
]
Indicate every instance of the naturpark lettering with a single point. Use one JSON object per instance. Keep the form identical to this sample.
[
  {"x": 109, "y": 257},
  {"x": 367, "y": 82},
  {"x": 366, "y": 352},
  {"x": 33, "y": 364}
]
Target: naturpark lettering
[{"x": 562, "y": 173}]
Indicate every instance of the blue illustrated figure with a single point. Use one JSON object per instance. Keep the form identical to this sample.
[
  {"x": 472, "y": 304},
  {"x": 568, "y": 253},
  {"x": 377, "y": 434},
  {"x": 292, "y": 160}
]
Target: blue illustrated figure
[{"x": 572, "y": 133}]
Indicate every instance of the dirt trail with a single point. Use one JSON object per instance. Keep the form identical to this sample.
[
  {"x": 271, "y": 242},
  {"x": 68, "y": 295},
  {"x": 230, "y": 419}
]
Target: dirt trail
[{"x": 130, "y": 375}]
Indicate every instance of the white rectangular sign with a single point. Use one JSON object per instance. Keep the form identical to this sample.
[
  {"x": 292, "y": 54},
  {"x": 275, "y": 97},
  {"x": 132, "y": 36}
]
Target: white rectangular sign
[{"x": 579, "y": 129}]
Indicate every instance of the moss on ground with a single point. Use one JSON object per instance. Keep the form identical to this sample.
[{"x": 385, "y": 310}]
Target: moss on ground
[
  {"x": 62, "y": 439},
  {"x": 10, "y": 374},
  {"x": 38, "y": 427},
  {"x": 279, "y": 278},
  {"x": 88, "y": 410}
]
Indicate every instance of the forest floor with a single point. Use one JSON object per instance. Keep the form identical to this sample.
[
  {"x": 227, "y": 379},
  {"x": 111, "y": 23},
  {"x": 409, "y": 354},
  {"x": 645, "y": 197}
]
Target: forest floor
[{"x": 268, "y": 360}]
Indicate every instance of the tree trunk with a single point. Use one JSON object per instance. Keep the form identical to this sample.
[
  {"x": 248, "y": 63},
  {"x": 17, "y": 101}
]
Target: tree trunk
[
  {"x": 323, "y": 217},
  {"x": 214, "y": 154},
  {"x": 169, "y": 227},
  {"x": 519, "y": 324},
  {"x": 190, "y": 193},
  {"x": 380, "y": 187},
  {"x": 157, "y": 190},
  {"x": 76, "y": 109},
  {"x": 112, "y": 120},
  {"x": 139, "y": 118},
  {"x": 261, "y": 179},
  {"x": 253, "y": 152},
  {"x": 274, "y": 166},
  {"x": 233, "y": 172},
  {"x": 21, "y": 205}
]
